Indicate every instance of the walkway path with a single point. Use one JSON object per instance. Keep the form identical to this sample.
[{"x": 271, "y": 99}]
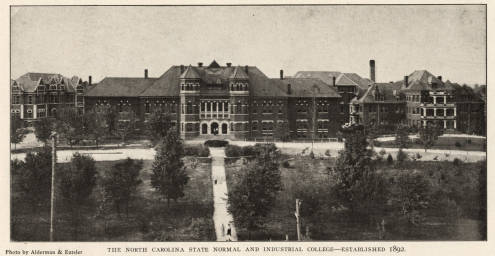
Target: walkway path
[{"x": 220, "y": 215}]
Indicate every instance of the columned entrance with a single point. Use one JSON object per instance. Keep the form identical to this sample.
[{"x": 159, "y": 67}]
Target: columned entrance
[{"x": 214, "y": 127}]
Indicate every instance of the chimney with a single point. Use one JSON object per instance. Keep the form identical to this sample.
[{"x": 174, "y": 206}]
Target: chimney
[
  {"x": 372, "y": 70},
  {"x": 289, "y": 91},
  {"x": 90, "y": 80},
  {"x": 281, "y": 74},
  {"x": 246, "y": 69},
  {"x": 406, "y": 81},
  {"x": 333, "y": 80},
  {"x": 200, "y": 64},
  {"x": 439, "y": 78},
  {"x": 181, "y": 69},
  {"x": 229, "y": 64},
  {"x": 146, "y": 73}
]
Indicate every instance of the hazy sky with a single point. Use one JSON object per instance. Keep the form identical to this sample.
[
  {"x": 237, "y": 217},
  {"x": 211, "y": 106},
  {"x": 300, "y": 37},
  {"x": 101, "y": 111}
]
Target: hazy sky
[{"x": 123, "y": 41}]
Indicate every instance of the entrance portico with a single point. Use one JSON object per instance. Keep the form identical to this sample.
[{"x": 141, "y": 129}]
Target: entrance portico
[{"x": 214, "y": 127}]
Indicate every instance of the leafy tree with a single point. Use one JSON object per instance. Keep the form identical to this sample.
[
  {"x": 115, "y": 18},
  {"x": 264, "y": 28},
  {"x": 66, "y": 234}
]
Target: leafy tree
[
  {"x": 111, "y": 116},
  {"x": 127, "y": 126},
  {"x": 412, "y": 195},
  {"x": 359, "y": 188},
  {"x": 169, "y": 174},
  {"x": 121, "y": 182},
  {"x": 77, "y": 181},
  {"x": 95, "y": 125},
  {"x": 282, "y": 131},
  {"x": 428, "y": 135},
  {"x": 70, "y": 126},
  {"x": 390, "y": 159},
  {"x": 254, "y": 192},
  {"x": 402, "y": 136},
  {"x": 43, "y": 129},
  {"x": 158, "y": 124},
  {"x": 34, "y": 177},
  {"x": 17, "y": 130}
]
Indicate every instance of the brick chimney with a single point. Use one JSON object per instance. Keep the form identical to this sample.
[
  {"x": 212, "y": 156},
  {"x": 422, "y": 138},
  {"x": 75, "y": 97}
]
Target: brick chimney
[
  {"x": 439, "y": 78},
  {"x": 372, "y": 70},
  {"x": 181, "y": 69},
  {"x": 406, "y": 81},
  {"x": 90, "y": 80},
  {"x": 281, "y": 74},
  {"x": 246, "y": 69},
  {"x": 229, "y": 64},
  {"x": 200, "y": 64},
  {"x": 289, "y": 91},
  {"x": 333, "y": 80},
  {"x": 146, "y": 73}
]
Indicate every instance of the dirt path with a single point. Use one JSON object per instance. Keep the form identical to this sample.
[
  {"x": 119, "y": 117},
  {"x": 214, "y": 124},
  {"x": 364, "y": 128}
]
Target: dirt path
[{"x": 221, "y": 217}]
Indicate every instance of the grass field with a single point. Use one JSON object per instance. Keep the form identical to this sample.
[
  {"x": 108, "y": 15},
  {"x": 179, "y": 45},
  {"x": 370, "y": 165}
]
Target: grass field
[
  {"x": 447, "y": 143},
  {"x": 309, "y": 180},
  {"x": 149, "y": 218}
]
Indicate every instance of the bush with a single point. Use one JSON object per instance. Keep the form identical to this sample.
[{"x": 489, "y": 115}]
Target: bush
[
  {"x": 458, "y": 144},
  {"x": 327, "y": 153},
  {"x": 401, "y": 156},
  {"x": 286, "y": 164},
  {"x": 390, "y": 160},
  {"x": 457, "y": 161},
  {"x": 196, "y": 150},
  {"x": 216, "y": 143},
  {"x": 233, "y": 151},
  {"x": 418, "y": 156}
]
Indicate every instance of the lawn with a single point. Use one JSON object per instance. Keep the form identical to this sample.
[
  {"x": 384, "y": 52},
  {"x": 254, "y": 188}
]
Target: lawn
[
  {"x": 455, "y": 211},
  {"x": 448, "y": 143},
  {"x": 149, "y": 218}
]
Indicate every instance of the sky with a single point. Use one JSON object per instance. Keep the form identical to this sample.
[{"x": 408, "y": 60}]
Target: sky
[{"x": 122, "y": 41}]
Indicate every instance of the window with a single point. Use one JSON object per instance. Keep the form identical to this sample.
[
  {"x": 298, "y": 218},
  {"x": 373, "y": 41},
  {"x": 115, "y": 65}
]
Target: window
[
  {"x": 226, "y": 106},
  {"x": 255, "y": 125},
  {"x": 147, "y": 107},
  {"x": 79, "y": 89},
  {"x": 30, "y": 99},
  {"x": 16, "y": 99}
]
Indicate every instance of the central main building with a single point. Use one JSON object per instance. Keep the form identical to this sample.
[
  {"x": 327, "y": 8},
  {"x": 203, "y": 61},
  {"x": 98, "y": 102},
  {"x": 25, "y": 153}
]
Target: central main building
[{"x": 234, "y": 101}]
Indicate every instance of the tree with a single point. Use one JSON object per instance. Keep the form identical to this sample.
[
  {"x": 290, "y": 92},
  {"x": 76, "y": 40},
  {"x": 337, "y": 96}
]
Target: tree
[
  {"x": 169, "y": 174},
  {"x": 401, "y": 157},
  {"x": 255, "y": 189},
  {"x": 70, "y": 126},
  {"x": 121, "y": 182},
  {"x": 17, "y": 130},
  {"x": 282, "y": 131},
  {"x": 359, "y": 188},
  {"x": 402, "y": 136},
  {"x": 127, "y": 126},
  {"x": 43, "y": 129},
  {"x": 429, "y": 134},
  {"x": 111, "y": 116},
  {"x": 412, "y": 195},
  {"x": 158, "y": 125},
  {"x": 34, "y": 178},
  {"x": 76, "y": 183},
  {"x": 95, "y": 125}
]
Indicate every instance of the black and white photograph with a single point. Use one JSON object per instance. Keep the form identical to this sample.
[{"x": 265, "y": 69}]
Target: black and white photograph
[{"x": 248, "y": 123}]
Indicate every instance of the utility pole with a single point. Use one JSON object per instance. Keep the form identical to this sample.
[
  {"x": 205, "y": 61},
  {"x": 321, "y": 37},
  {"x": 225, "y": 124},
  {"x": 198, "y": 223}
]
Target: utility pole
[
  {"x": 298, "y": 222},
  {"x": 52, "y": 198}
]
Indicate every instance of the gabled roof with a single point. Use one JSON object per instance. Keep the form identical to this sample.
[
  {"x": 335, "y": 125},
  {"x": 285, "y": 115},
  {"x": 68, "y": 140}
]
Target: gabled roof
[
  {"x": 30, "y": 81},
  {"x": 380, "y": 92},
  {"x": 422, "y": 80},
  {"x": 214, "y": 64},
  {"x": 325, "y": 76},
  {"x": 238, "y": 74},
  {"x": 190, "y": 73},
  {"x": 308, "y": 87},
  {"x": 120, "y": 87},
  {"x": 341, "y": 79}
]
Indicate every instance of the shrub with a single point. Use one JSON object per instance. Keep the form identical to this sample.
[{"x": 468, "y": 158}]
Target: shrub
[
  {"x": 248, "y": 151},
  {"x": 382, "y": 152},
  {"x": 390, "y": 160},
  {"x": 418, "y": 156},
  {"x": 233, "y": 151},
  {"x": 216, "y": 143},
  {"x": 312, "y": 155},
  {"x": 401, "y": 156},
  {"x": 327, "y": 153},
  {"x": 457, "y": 161},
  {"x": 196, "y": 150},
  {"x": 458, "y": 144},
  {"x": 286, "y": 164}
]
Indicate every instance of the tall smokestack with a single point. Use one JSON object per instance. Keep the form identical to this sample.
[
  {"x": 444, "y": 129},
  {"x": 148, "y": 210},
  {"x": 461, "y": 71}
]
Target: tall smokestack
[
  {"x": 372, "y": 70},
  {"x": 406, "y": 81},
  {"x": 90, "y": 80},
  {"x": 289, "y": 91},
  {"x": 333, "y": 80},
  {"x": 281, "y": 74},
  {"x": 146, "y": 73}
]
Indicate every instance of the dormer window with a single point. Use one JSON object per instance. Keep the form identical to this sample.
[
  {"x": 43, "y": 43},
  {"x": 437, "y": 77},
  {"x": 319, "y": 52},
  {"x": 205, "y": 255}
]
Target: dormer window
[
  {"x": 79, "y": 89},
  {"x": 53, "y": 87},
  {"x": 62, "y": 88}
]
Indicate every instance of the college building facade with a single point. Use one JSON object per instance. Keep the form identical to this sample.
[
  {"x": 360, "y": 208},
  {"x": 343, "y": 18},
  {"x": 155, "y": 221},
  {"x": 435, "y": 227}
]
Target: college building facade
[{"x": 241, "y": 102}]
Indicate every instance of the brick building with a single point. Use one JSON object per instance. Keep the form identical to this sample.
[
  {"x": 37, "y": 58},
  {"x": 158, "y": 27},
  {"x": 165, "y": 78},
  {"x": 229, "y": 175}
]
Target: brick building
[
  {"x": 229, "y": 101},
  {"x": 38, "y": 95}
]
